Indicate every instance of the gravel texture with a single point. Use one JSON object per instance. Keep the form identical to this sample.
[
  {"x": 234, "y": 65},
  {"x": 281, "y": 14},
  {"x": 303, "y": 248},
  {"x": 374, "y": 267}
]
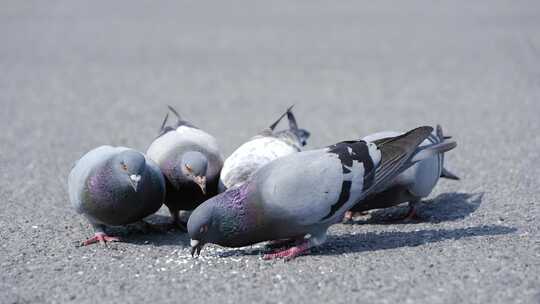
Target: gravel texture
[{"x": 76, "y": 75}]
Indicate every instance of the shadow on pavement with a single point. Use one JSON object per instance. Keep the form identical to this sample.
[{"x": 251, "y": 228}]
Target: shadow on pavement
[
  {"x": 443, "y": 208},
  {"x": 171, "y": 237},
  {"x": 158, "y": 233},
  {"x": 374, "y": 241}
]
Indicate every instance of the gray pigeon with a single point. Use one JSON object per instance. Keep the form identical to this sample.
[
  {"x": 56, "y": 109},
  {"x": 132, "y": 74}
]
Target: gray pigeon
[
  {"x": 113, "y": 186},
  {"x": 299, "y": 196},
  {"x": 412, "y": 184},
  {"x": 260, "y": 150},
  {"x": 190, "y": 160}
]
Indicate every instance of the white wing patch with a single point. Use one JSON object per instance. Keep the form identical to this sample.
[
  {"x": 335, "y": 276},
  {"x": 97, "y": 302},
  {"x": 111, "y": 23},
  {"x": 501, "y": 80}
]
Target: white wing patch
[
  {"x": 251, "y": 156},
  {"x": 375, "y": 154}
]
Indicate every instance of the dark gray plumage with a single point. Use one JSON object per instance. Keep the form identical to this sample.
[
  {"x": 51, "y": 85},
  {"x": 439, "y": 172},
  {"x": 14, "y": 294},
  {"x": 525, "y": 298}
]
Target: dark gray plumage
[
  {"x": 114, "y": 186},
  {"x": 262, "y": 149},
  {"x": 412, "y": 184},
  {"x": 190, "y": 160},
  {"x": 297, "y": 197}
]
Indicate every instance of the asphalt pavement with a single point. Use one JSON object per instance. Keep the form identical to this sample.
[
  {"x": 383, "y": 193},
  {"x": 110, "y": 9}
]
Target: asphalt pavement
[{"x": 75, "y": 75}]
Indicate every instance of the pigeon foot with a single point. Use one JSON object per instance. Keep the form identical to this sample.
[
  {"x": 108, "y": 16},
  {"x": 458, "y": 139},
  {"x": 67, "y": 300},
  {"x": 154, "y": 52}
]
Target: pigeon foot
[
  {"x": 350, "y": 215},
  {"x": 101, "y": 238},
  {"x": 290, "y": 253}
]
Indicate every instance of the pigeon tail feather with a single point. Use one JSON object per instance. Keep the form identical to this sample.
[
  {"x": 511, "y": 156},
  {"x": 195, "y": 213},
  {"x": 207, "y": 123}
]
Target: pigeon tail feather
[
  {"x": 432, "y": 150},
  {"x": 396, "y": 154},
  {"x": 443, "y": 138}
]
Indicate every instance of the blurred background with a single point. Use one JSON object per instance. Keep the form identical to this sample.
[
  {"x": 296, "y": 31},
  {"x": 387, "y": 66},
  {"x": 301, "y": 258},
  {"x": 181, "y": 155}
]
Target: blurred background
[
  {"x": 78, "y": 74},
  {"x": 232, "y": 67}
]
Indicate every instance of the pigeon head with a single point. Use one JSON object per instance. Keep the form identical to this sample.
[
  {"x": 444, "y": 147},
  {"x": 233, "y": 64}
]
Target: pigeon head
[
  {"x": 200, "y": 228},
  {"x": 294, "y": 135},
  {"x": 193, "y": 167},
  {"x": 131, "y": 164},
  {"x": 302, "y": 135},
  {"x": 223, "y": 220}
]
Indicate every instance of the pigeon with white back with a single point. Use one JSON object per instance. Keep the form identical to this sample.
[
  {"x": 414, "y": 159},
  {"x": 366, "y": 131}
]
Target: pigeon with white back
[
  {"x": 299, "y": 196},
  {"x": 114, "y": 186},
  {"x": 412, "y": 184},
  {"x": 267, "y": 146},
  {"x": 190, "y": 160}
]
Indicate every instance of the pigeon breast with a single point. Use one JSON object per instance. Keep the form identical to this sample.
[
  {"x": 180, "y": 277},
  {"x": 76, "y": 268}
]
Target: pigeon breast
[{"x": 105, "y": 196}]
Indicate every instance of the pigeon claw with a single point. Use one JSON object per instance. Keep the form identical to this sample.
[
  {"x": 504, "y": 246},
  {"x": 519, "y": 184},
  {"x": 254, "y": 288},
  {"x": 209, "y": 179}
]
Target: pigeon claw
[
  {"x": 348, "y": 216},
  {"x": 101, "y": 238},
  {"x": 288, "y": 254}
]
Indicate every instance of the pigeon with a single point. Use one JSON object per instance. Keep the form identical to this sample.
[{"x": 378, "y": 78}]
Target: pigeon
[
  {"x": 299, "y": 196},
  {"x": 411, "y": 185},
  {"x": 114, "y": 186},
  {"x": 190, "y": 160},
  {"x": 262, "y": 149}
]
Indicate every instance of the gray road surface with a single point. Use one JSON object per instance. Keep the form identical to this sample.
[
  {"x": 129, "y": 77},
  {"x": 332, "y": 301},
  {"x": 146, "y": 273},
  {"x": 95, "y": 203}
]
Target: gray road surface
[{"x": 76, "y": 75}]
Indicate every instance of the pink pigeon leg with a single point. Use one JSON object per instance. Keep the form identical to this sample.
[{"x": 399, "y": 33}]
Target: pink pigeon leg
[
  {"x": 100, "y": 237},
  {"x": 300, "y": 248},
  {"x": 348, "y": 216},
  {"x": 289, "y": 253}
]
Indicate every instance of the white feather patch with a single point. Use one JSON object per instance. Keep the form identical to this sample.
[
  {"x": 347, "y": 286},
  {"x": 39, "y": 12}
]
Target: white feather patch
[{"x": 250, "y": 156}]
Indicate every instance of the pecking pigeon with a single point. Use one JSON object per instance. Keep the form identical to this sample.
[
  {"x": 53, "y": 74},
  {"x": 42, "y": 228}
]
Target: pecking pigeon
[
  {"x": 297, "y": 197},
  {"x": 260, "y": 150},
  {"x": 190, "y": 160},
  {"x": 412, "y": 184},
  {"x": 113, "y": 186}
]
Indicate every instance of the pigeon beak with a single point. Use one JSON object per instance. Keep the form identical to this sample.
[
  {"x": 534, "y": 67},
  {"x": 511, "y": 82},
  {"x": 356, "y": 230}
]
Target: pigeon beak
[
  {"x": 134, "y": 181},
  {"x": 196, "y": 247},
  {"x": 201, "y": 181}
]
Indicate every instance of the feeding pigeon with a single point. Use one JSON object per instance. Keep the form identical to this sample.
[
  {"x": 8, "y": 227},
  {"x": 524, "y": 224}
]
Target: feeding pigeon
[
  {"x": 412, "y": 184},
  {"x": 297, "y": 197},
  {"x": 260, "y": 150},
  {"x": 190, "y": 160},
  {"x": 113, "y": 186}
]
